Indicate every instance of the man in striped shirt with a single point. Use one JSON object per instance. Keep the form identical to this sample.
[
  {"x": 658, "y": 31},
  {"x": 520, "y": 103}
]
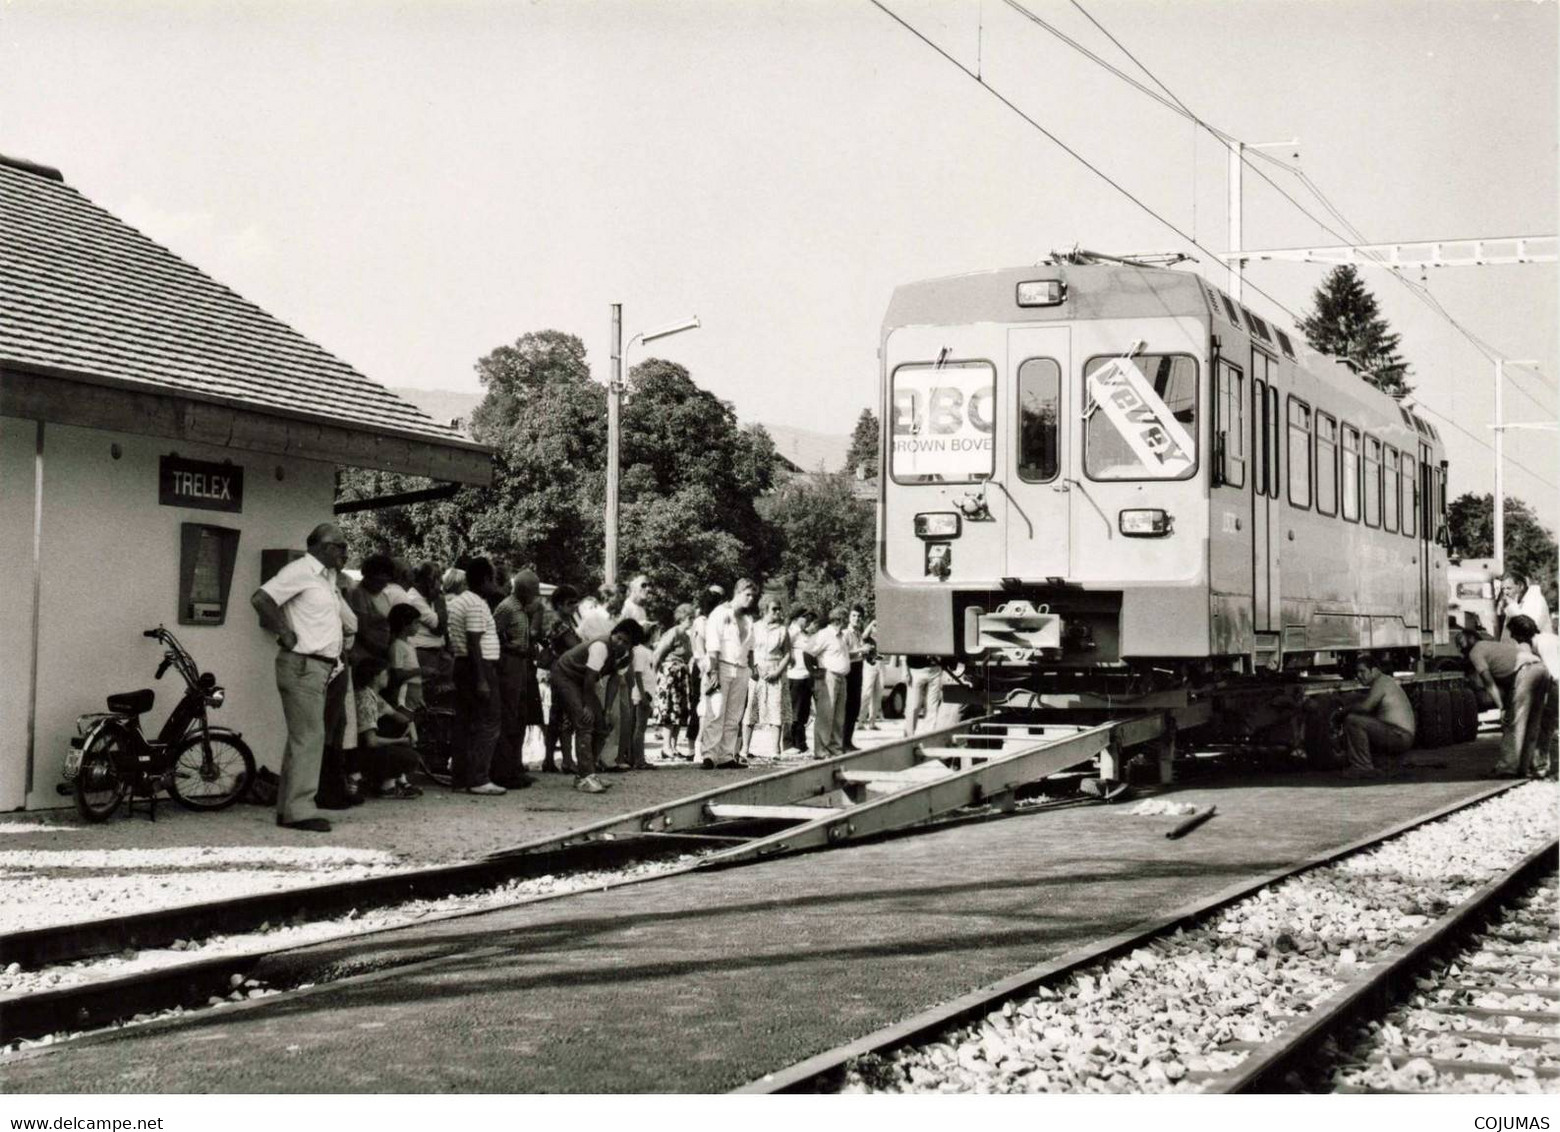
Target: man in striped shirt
[{"x": 474, "y": 641}]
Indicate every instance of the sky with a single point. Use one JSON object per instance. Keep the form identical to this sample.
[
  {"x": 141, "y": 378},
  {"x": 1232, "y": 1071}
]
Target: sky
[{"x": 415, "y": 184}]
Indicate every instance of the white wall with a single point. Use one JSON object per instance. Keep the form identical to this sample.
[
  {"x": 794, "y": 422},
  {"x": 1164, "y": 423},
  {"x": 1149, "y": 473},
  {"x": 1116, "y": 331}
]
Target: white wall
[{"x": 110, "y": 568}]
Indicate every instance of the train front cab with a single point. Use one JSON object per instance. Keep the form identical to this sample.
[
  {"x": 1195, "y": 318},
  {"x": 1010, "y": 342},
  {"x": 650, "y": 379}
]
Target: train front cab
[
  {"x": 1145, "y": 471},
  {"x": 1052, "y": 455}
]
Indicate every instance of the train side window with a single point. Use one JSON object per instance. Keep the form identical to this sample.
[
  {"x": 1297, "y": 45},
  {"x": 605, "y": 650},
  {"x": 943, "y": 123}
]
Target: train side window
[
  {"x": 1231, "y": 426},
  {"x": 1275, "y": 430},
  {"x": 1259, "y": 435},
  {"x": 1039, "y": 405},
  {"x": 1438, "y": 531},
  {"x": 1372, "y": 482},
  {"x": 1326, "y": 465},
  {"x": 1140, "y": 420},
  {"x": 1299, "y": 454},
  {"x": 1349, "y": 480},
  {"x": 1391, "y": 488},
  {"x": 1410, "y": 497}
]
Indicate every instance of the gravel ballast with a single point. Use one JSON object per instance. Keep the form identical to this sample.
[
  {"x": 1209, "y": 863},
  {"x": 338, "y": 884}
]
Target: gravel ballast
[{"x": 1189, "y": 1005}]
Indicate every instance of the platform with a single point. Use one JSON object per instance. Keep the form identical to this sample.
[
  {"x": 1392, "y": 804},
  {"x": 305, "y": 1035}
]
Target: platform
[{"x": 702, "y": 982}]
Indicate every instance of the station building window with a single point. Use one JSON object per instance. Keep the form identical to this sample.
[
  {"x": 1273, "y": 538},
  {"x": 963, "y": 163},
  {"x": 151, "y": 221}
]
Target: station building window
[
  {"x": 1231, "y": 426},
  {"x": 1372, "y": 482},
  {"x": 1299, "y": 454},
  {"x": 1326, "y": 465},
  {"x": 1039, "y": 407},
  {"x": 1349, "y": 479},
  {"x": 1391, "y": 489}
]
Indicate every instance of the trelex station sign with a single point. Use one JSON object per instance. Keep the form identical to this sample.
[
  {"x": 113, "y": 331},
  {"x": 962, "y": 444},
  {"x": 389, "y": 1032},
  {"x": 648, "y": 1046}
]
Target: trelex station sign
[{"x": 200, "y": 483}]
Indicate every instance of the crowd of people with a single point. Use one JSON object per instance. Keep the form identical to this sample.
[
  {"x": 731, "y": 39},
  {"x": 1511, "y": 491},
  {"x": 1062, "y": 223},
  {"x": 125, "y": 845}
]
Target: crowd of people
[{"x": 585, "y": 677}]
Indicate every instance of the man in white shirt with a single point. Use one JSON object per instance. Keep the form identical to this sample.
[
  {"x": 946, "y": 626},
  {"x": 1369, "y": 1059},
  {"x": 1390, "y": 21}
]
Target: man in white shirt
[
  {"x": 728, "y": 647},
  {"x": 302, "y": 607},
  {"x": 831, "y": 647}
]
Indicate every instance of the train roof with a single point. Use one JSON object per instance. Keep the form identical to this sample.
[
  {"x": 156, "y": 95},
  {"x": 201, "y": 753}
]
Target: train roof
[{"x": 1123, "y": 290}]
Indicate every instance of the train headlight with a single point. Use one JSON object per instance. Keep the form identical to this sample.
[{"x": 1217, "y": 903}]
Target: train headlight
[
  {"x": 937, "y": 524},
  {"x": 1042, "y": 293},
  {"x": 1145, "y": 522}
]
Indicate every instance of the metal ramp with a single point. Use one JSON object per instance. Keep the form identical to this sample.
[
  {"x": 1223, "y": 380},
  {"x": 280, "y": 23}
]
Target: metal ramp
[{"x": 900, "y": 784}]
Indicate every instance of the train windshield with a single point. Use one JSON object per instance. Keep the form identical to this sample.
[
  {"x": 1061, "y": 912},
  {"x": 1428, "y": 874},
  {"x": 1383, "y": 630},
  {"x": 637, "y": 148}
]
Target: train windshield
[
  {"x": 1141, "y": 417},
  {"x": 943, "y": 422}
]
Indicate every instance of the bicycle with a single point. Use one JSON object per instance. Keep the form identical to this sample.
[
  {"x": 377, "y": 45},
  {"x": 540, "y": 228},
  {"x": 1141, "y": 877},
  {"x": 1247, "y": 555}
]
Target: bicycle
[{"x": 203, "y": 767}]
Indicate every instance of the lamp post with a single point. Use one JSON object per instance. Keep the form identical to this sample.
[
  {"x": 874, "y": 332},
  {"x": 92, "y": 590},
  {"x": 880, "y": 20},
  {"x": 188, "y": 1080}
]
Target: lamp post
[
  {"x": 1499, "y": 509},
  {"x": 614, "y": 408}
]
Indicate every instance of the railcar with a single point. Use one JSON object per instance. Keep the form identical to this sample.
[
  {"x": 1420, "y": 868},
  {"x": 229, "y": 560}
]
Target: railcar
[{"x": 1112, "y": 474}]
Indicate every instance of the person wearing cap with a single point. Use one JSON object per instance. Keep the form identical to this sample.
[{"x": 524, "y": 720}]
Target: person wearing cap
[{"x": 575, "y": 678}]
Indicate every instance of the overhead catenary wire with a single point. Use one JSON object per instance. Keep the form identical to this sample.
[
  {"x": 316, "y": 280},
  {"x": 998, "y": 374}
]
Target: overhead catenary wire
[
  {"x": 980, "y": 81},
  {"x": 1351, "y": 235}
]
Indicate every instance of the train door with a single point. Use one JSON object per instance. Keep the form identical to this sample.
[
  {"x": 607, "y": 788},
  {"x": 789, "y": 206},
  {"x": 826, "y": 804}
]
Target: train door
[
  {"x": 1039, "y": 527},
  {"x": 1264, "y": 496},
  {"x": 1229, "y": 546}
]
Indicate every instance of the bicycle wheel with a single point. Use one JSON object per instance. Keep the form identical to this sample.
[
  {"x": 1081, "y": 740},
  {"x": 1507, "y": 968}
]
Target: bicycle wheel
[
  {"x": 210, "y": 772},
  {"x": 436, "y": 744},
  {"x": 100, "y": 785}
]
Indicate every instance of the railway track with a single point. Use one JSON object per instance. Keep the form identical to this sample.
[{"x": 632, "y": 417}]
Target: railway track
[
  {"x": 1486, "y": 1020},
  {"x": 972, "y": 771},
  {"x": 1229, "y": 995}
]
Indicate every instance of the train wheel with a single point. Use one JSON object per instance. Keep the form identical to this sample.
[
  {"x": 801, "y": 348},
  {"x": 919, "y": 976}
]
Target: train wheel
[
  {"x": 1459, "y": 713},
  {"x": 1322, "y": 749},
  {"x": 1436, "y": 716}
]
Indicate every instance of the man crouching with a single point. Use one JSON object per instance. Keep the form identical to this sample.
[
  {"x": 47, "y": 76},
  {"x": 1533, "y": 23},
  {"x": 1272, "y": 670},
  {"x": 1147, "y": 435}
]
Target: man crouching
[{"x": 1382, "y": 723}]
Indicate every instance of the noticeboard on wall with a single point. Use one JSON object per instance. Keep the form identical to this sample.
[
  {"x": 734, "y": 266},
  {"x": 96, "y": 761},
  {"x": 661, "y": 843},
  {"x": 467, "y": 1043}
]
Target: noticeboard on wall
[{"x": 206, "y": 558}]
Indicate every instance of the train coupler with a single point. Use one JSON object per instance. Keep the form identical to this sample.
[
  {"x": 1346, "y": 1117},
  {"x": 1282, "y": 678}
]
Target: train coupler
[{"x": 1014, "y": 625}]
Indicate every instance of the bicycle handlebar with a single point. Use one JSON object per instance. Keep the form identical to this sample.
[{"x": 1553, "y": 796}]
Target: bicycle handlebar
[{"x": 157, "y": 632}]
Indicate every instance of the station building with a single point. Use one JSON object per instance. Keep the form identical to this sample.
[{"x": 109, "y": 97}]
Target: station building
[{"x": 164, "y": 445}]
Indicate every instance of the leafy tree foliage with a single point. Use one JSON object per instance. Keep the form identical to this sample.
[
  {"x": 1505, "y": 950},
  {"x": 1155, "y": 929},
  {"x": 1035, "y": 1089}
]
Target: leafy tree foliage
[
  {"x": 687, "y": 485},
  {"x": 1347, "y": 324},
  {"x": 827, "y": 541},
  {"x": 865, "y": 442},
  {"x": 1530, "y": 547}
]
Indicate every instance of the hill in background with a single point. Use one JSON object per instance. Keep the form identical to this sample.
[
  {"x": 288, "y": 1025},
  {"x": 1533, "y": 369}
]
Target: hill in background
[{"x": 806, "y": 449}]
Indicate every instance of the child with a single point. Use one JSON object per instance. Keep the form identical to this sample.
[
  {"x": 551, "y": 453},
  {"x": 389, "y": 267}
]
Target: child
[
  {"x": 385, "y": 736},
  {"x": 406, "y": 680}
]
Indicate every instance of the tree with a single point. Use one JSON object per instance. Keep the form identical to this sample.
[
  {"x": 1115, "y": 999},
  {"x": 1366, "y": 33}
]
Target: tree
[
  {"x": 689, "y": 478},
  {"x": 865, "y": 443},
  {"x": 828, "y": 540},
  {"x": 1530, "y": 547},
  {"x": 1348, "y": 325}
]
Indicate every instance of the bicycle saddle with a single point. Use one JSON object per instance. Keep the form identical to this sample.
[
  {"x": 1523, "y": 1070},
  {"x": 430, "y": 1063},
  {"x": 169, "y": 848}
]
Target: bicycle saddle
[{"x": 131, "y": 703}]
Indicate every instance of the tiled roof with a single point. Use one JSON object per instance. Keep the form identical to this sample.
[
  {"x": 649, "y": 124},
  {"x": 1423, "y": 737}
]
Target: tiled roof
[{"x": 84, "y": 293}]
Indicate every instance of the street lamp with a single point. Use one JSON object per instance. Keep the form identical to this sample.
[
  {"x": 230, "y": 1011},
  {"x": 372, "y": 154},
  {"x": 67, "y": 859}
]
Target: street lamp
[
  {"x": 614, "y": 406},
  {"x": 1500, "y": 427}
]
